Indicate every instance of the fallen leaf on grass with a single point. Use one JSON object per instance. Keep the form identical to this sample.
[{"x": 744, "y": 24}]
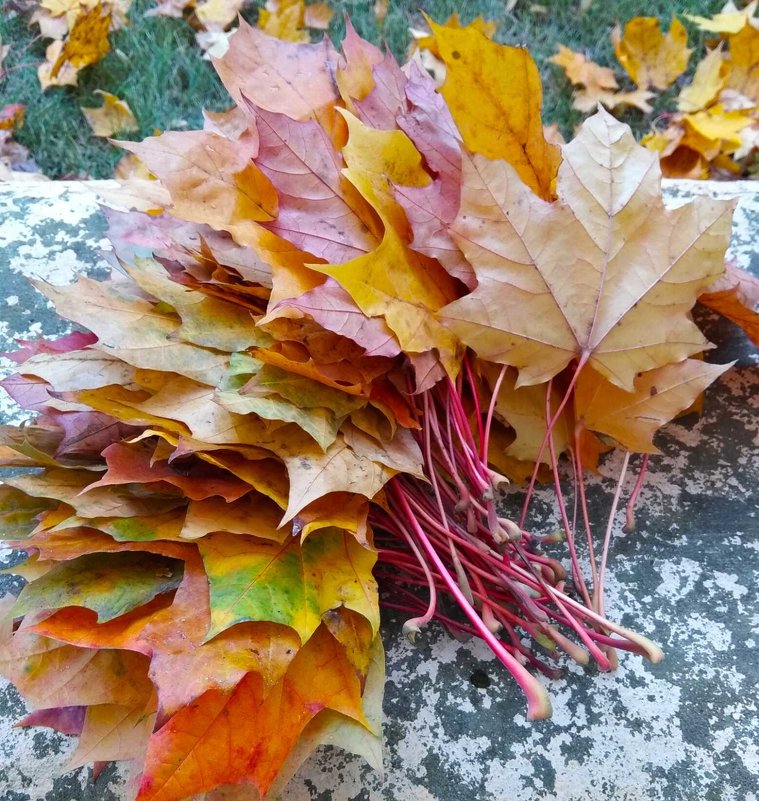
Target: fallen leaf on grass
[
  {"x": 218, "y": 15},
  {"x": 113, "y": 117},
  {"x": 12, "y": 116},
  {"x": 728, "y": 21},
  {"x": 87, "y": 43},
  {"x": 649, "y": 57},
  {"x": 744, "y": 58},
  {"x": 708, "y": 81},
  {"x": 67, "y": 74}
]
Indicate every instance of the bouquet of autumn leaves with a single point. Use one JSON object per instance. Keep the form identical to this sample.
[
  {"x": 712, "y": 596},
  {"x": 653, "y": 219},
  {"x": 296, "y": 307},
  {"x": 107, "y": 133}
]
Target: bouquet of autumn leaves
[{"x": 357, "y": 307}]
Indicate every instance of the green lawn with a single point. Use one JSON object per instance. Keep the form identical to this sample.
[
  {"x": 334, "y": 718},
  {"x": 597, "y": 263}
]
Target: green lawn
[{"x": 157, "y": 68}]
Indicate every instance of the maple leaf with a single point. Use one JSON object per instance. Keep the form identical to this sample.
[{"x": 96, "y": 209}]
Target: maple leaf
[
  {"x": 113, "y": 732},
  {"x": 238, "y": 736},
  {"x": 65, "y": 75},
  {"x": 319, "y": 210},
  {"x": 736, "y": 296},
  {"x": 581, "y": 70},
  {"x": 87, "y": 42},
  {"x": 288, "y": 583},
  {"x": 110, "y": 586},
  {"x": 744, "y": 56},
  {"x": 392, "y": 281},
  {"x": 586, "y": 101},
  {"x": 210, "y": 179},
  {"x": 218, "y": 15},
  {"x": 184, "y": 663},
  {"x": 632, "y": 418},
  {"x": 730, "y": 20},
  {"x": 497, "y": 115},
  {"x": 284, "y": 77},
  {"x": 51, "y": 674},
  {"x": 612, "y": 217},
  {"x": 429, "y": 209},
  {"x": 597, "y": 84},
  {"x": 524, "y": 409},
  {"x": 649, "y": 57},
  {"x": 708, "y": 81},
  {"x": 287, "y": 349},
  {"x": 12, "y": 116},
  {"x": 113, "y": 117},
  {"x": 714, "y": 131},
  {"x": 284, "y": 19},
  {"x": 338, "y": 730}
]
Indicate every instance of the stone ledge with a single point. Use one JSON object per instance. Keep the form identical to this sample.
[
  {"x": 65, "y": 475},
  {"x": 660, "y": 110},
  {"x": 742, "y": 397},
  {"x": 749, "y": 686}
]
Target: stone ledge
[{"x": 688, "y": 578}]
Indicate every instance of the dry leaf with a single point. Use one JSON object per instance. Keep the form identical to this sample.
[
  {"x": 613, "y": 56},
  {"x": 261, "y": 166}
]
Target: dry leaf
[
  {"x": 222, "y": 187},
  {"x": 318, "y": 16},
  {"x": 170, "y": 8},
  {"x": 650, "y": 58},
  {"x": 381, "y": 8},
  {"x": 586, "y": 101},
  {"x": 632, "y": 418},
  {"x": 67, "y": 74},
  {"x": 744, "y": 58},
  {"x": 613, "y": 230},
  {"x": 497, "y": 115},
  {"x": 218, "y": 15},
  {"x": 113, "y": 117},
  {"x": 730, "y": 20},
  {"x": 714, "y": 130},
  {"x": 736, "y": 296},
  {"x": 580, "y": 70},
  {"x": 87, "y": 43},
  {"x": 708, "y": 81},
  {"x": 284, "y": 19},
  {"x": 12, "y": 116}
]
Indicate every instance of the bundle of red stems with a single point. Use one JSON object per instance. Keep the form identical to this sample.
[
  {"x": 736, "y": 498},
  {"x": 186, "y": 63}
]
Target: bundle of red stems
[{"x": 446, "y": 534}]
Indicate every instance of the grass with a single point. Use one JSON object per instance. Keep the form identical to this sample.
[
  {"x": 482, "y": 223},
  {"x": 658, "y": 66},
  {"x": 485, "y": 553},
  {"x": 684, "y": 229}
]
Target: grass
[{"x": 157, "y": 68}]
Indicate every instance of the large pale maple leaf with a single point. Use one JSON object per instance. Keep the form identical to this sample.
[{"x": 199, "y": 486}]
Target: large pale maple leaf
[{"x": 605, "y": 274}]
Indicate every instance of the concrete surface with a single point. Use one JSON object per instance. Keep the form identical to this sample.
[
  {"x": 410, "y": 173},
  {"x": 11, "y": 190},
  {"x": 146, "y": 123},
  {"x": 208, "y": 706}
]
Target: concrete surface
[{"x": 455, "y": 726}]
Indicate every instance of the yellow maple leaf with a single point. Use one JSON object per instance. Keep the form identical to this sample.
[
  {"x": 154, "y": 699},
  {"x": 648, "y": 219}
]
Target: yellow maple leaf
[
  {"x": 113, "y": 117},
  {"x": 218, "y": 15},
  {"x": 744, "y": 63},
  {"x": 709, "y": 80},
  {"x": 424, "y": 40},
  {"x": 730, "y": 20},
  {"x": 714, "y": 130},
  {"x": 649, "y": 57},
  {"x": 87, "y": 43},
  {"x": 70, "y": 9},
  {"x": 284, "y": 19},
  {"x": 495, "y": 95},
  {"x": 393, "y": 281},
  {"x": 57, "y": 17}
]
